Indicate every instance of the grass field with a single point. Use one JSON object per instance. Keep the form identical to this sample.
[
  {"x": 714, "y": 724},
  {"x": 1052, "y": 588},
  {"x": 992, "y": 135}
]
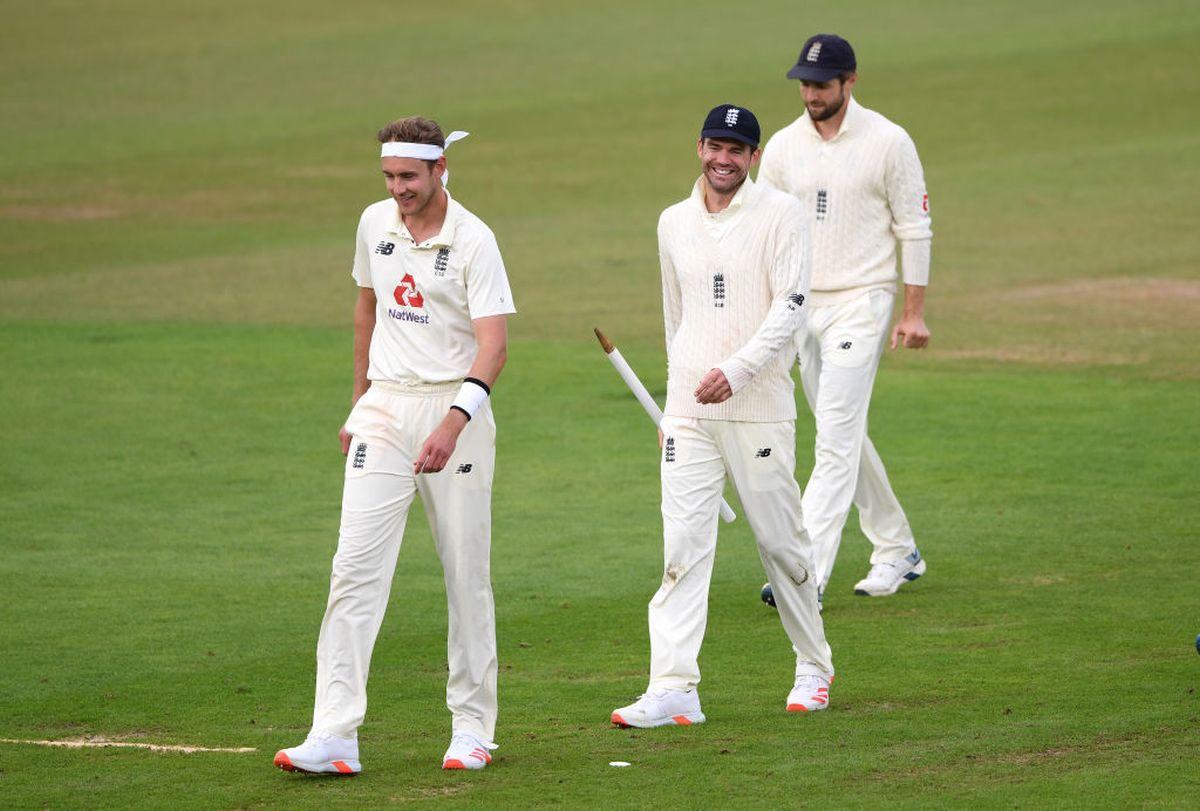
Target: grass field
[{"x": 179, "y": 184}]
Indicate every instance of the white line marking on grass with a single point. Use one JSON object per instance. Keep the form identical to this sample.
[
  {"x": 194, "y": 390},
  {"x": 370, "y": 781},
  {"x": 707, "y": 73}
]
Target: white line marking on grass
[{"x": 100, "y": 742}]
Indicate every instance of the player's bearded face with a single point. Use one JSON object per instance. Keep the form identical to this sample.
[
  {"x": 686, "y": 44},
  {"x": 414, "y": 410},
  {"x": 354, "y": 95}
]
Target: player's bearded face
[
  {"x": 412, "y": 183},
  {"x": 823, "y": 100},
  {"x": 726, "y": 163}
]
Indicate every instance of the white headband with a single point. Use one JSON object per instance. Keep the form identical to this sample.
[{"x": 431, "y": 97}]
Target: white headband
[{"x": 424, "y": 152}]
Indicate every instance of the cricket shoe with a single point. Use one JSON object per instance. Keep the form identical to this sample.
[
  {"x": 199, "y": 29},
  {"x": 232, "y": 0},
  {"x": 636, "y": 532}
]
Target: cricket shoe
[
  {"x": 467, "y": 751},
  {"x": 321, "y": 753},
  {"x": 886, "y": 578},
  {"x": 811, "y": 693},
  {"x": 659, "y": 708},
  {"x": 768, "y": 597}
]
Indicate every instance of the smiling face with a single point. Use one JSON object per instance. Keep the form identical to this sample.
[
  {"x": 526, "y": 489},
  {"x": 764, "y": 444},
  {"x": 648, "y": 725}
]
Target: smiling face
[
  {"x": 726, "y": 163},
  {"x": 412, "y": 183},
  {"x": 824, "y": 100}
]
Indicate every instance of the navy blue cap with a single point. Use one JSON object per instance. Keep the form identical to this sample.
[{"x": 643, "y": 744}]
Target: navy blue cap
[
  {"x": 731, "y": 121},
  {"x": 824, "y": 57}
]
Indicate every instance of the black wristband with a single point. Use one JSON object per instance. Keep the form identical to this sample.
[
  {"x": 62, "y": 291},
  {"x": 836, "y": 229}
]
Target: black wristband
[{"x": 479, "y": 383}]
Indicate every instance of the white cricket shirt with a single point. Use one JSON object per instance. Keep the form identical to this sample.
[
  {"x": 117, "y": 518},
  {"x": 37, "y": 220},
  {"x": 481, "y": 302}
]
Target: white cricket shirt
[
  {"x": 734, "y": 284},
  {"x": 428, "y": 294},
  {"x": 861, "y": 191}
]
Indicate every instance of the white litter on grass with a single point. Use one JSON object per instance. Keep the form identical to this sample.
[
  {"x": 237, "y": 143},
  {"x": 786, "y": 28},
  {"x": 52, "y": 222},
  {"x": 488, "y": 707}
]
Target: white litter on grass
[
  {"x": 100, "y": 742},
  {"x": 618, "y": 763}
]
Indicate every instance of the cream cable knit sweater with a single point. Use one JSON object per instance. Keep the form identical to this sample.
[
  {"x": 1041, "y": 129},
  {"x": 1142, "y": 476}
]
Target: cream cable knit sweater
[
  {"x": 734, "y": 285},
  {"x": 863, "y": 191}
]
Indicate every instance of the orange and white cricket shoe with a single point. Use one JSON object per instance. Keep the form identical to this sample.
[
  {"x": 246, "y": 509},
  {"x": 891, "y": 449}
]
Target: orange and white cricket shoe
[
  {"x": 467, "y": 751},
  {"x": 810, "y": 694},
  {"x": 321, "y": 753},
  {"x": 660, "y": 708}
]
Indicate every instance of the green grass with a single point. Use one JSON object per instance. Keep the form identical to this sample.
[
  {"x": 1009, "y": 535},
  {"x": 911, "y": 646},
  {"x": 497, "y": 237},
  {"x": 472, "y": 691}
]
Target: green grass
[{"x": 178, "y": 191}]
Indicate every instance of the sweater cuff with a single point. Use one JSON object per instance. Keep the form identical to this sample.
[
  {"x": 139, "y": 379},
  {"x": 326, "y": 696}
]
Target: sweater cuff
[
  {"x": 737, "y": 373},
  {"x": 914, "y": 261}
]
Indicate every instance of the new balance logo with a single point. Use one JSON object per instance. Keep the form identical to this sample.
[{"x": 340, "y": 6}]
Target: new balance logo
[
  {"x": 385, "y": 248},
  {"x": 360, "y": 456},
  {"x": 762, "y": 453},
  {"x": 731, "y": 116},
  {"x": 463, "y": 469},
  {"x": 669, "y": 449},
  {"x": 822, "y": 204},
  {"x": 719, "y": 290},
  {"x": 814, "y": 52},
  {"x": 442, "y": 261},
  {"x": 844, "y": 345}
]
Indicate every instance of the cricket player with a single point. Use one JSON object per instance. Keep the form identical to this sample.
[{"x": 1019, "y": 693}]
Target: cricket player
[
  {"x": 430, "y": 339},
  {"x": 735, "y": 279},
  {"x": 862, "y": 192}
]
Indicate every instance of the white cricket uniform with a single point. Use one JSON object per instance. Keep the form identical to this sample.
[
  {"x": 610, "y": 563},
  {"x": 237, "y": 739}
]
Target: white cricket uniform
[
  {"x": 861, "y": 193},
  {"x": 421, "y": 349},
  {"x": 734, "y": 285}
]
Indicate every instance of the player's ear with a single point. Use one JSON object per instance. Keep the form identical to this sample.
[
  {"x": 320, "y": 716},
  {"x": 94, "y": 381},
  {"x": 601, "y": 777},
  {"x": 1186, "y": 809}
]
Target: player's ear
[
  {"x": 755, "y": 155},
  {"x": 700, "y": 148}
]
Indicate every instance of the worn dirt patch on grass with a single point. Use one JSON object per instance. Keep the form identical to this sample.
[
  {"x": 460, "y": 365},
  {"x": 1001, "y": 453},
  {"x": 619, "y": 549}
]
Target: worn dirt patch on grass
[
  {"x": 1115, "y": 321},
  {"x": 1104, "y": 747},
  {"x": 426, "y": 792},
  {"x": 1036, "y": 580},
  {"x": 1026, "y": 758},
  {"x": 1129, "y": 289},
  {"x": 1128, "y": 302},
  {"x": 1043, "y": 355},
  {"x": 102, "y": 742}
]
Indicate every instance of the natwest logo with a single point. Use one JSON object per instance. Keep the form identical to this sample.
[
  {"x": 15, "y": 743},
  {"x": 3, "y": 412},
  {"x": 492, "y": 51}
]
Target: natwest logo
[{"x": 406, "y": 293}]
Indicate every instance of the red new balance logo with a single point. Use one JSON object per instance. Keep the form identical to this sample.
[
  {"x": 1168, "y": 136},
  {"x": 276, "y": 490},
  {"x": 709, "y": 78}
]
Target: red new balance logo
[{"x": 406, "y": 293}]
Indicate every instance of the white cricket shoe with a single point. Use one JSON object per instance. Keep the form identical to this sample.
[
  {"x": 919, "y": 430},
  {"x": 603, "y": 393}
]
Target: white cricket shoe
[
  {"x": 321, "y": 753},
  {"x": 886, "y": 578},
  {"x": 658, "y": 708},
  {"x": 467, "y": 751},
  {"x": 810, "y": 693}
]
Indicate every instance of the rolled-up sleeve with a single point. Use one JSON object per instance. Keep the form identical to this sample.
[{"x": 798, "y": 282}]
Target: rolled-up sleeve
[{"x": 909, "y": 203}]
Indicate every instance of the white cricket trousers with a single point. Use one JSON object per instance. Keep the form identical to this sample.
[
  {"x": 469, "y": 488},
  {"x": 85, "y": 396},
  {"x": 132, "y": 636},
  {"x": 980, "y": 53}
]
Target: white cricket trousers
[
  {"x": 389, "y": 424},
  {"x": 839, "y": 352},
  {"x": 760, "y": 458}
]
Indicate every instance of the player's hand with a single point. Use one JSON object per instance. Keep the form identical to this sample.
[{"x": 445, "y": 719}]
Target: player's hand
[
  {"x": 438, "y": 449},
  {"x": 713, "y": 388},
  {"x": 344, "y": 436},
  {"x": 910, "y": 331}
]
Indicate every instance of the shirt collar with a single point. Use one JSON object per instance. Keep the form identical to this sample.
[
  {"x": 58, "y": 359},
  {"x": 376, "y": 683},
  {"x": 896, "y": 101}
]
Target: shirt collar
[
  {"x": 744, "y": 194},
  {"x": 443, "y": 238},
  {"x": 849, "y": 122}
]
